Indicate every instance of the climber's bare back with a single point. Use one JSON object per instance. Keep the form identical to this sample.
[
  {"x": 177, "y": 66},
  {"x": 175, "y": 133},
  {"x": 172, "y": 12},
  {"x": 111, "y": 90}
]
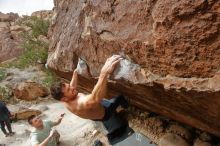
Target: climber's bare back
[{"x": 91, "y": 110}]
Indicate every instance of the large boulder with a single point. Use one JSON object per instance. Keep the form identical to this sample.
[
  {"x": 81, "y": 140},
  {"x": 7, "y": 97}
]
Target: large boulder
[
  {"x": 171, "y": 51},
  {"x": 25, "y": 114},
  {"x": 181, "y": 131},
  {"x": 8, "y": 17},
  {"x": 29, "y": 91},
  {"x": 21, "y": 113},
  {"x": 172, "y": 140},
  {"x": 9, "y": 44},
  {"x": 4, "y": 25},
  {"x": 19, "y": 28},
  {"x": 12, "y": 29},
  {"x": 9, "y": 41}
]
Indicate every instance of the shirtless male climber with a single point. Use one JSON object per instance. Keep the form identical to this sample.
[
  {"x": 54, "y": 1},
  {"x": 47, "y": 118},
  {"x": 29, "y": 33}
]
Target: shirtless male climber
[{"x": 92, "y": 106}]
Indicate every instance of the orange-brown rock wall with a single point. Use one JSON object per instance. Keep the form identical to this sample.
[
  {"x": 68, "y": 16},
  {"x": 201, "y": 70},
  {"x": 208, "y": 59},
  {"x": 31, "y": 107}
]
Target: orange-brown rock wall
[{"x": 171, "y": 51}]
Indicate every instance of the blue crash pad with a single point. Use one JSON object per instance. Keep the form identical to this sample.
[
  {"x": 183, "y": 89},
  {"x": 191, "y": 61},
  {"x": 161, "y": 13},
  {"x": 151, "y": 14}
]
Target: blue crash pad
[{"x": 135, "y": 139}]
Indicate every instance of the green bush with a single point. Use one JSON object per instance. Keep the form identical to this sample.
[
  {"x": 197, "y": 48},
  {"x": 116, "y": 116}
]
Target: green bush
[
  {"x": 50, "y": 78},
  {"x": 35, "y": 50},
  {"x": 5, "y": 94},
  {"x": 2, "y": 74},
  {"x": 38, "y": 26}
]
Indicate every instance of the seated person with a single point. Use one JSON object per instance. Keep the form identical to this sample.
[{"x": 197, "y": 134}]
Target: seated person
[{"x": 42, "y": 134}]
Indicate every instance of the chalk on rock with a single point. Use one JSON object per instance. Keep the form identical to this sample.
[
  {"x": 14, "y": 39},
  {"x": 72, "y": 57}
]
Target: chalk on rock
[
  {"x": 82, "y": 68},
  {"x": 128, "y": 71}
]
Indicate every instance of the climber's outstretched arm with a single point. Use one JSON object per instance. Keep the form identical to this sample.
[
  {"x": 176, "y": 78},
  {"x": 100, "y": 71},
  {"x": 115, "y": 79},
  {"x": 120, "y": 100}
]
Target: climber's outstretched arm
[
  {"x": 99, "y": 91},
  {"x": 74, "y": 79}
]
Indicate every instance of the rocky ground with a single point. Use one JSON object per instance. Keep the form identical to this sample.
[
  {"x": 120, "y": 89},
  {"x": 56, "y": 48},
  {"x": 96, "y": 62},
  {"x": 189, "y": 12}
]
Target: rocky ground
[
  {"x": 74, "y": 130},
  {"x": 80, "y": 132},
  {"x": 28, "y": 84}
]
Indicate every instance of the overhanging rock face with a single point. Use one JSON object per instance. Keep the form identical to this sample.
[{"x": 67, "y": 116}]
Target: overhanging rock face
[{"x": 171, "y": 53}]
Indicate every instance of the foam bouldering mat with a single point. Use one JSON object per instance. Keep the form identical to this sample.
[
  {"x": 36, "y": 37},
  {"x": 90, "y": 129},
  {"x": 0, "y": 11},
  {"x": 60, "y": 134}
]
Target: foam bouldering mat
[{"x": 135, "y": 139}]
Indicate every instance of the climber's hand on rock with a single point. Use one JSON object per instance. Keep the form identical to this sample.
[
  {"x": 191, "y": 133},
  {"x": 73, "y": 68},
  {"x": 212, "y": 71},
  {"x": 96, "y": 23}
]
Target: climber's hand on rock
[{"x": 110, "y": 64}]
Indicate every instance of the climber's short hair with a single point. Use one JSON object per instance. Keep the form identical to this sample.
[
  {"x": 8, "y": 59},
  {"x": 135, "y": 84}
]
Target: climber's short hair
[
  {"x": 56, "y": 90},
  {"x": 31, "y": 118}
]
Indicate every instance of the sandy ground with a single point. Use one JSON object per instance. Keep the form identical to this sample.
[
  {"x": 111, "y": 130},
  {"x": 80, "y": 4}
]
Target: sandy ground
[{"x": 74, "y": 130}]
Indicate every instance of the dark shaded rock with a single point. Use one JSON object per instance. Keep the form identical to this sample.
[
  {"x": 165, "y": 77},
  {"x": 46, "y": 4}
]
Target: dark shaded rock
[
  {"x": 204, "y": 136},
  {"x": 199, "y": 142}
]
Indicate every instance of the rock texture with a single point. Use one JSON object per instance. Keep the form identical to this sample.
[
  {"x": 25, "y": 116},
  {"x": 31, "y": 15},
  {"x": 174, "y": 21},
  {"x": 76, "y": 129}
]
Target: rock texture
[
  {"x": 199, "y": 142},
  {"x": 21, "y": 113},
  {"x": 9, "y": 37},
  {"x": 181, "y": 131},
  {"x": 171, "y": 51},
  {"x": 25, "y": 114},
  {"x": 29, "y": 91},
  {"x": 172, "y": 140},
  {"x": 25, "y": 84},
  {"x": 12, "y": 29},
  {"x": 44, "y": 14}
]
